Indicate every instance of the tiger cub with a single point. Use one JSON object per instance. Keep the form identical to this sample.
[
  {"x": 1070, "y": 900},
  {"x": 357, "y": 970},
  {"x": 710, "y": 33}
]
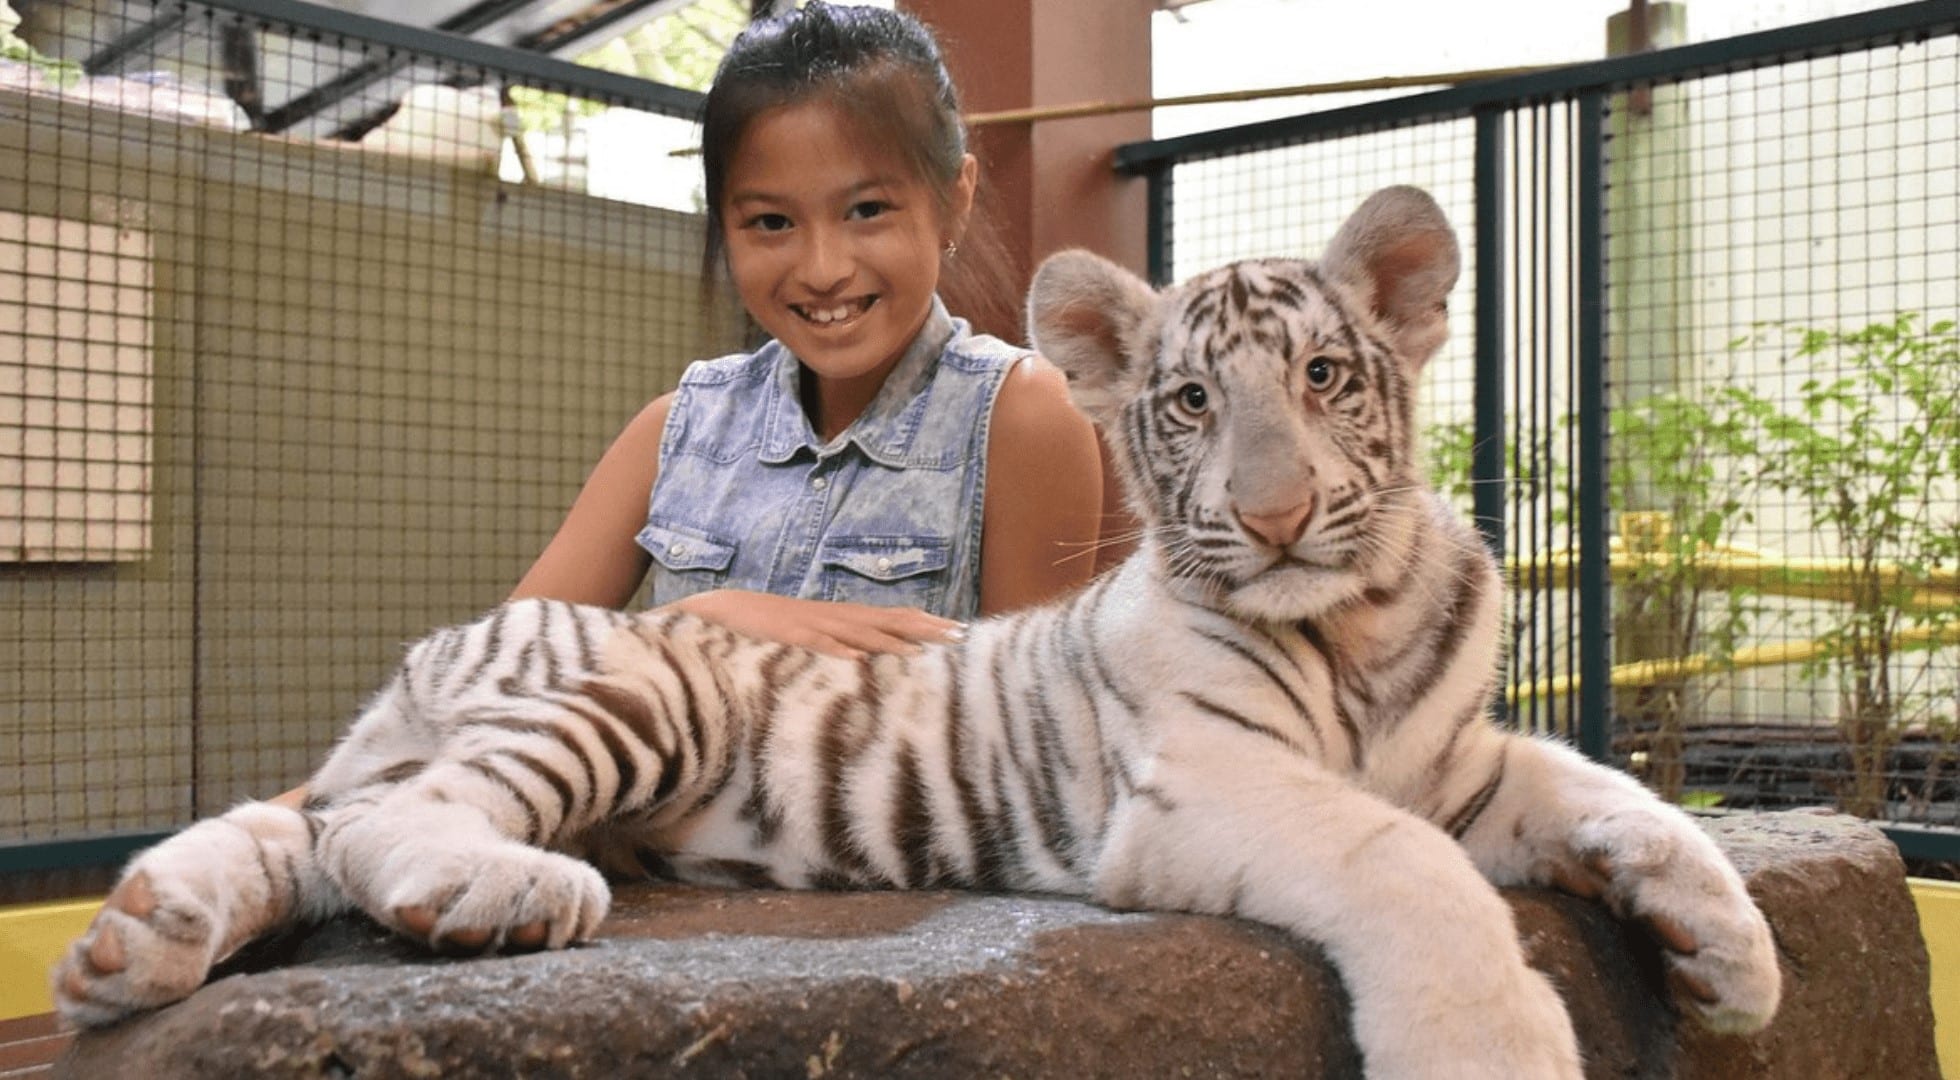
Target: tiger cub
[{"x": 1277, "y": 709}]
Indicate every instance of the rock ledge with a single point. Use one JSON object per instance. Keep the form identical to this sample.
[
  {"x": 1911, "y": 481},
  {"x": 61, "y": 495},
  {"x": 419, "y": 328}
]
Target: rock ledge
[{"x": 688, "y": 981}]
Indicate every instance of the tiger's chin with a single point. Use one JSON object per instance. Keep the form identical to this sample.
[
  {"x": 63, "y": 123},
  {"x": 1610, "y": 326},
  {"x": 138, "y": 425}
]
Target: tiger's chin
[{"x": 1289, "y": 591}]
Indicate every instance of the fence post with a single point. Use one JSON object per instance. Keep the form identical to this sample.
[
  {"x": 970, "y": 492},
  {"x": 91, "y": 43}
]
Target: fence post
[
  {"x": 1594, "y": 726},
  {"x": 1487, "y": 463},
  {"x": 1157, "y": 222}
]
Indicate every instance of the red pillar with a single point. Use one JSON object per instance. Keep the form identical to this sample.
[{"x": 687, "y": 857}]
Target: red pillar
[{"x": 1050, "y": 184}]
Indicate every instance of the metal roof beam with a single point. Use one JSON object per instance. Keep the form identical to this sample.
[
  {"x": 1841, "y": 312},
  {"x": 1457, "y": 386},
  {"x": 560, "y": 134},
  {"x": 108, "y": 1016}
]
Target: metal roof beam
[{"x": 110, "y": 58}]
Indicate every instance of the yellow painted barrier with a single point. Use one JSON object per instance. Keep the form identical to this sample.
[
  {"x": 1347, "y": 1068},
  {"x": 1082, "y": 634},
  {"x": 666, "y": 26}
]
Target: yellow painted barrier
[
  {"x": 1815, "y": 579},
  {"x": 1649, "y": 672},
  {"x": 1939, "y": 921},
  {"x": 32, "y": 936},
  {"x": 1934, "y": 589}
]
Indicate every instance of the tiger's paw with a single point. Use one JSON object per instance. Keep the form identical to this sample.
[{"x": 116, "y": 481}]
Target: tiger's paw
[
  {"x": 513, "y": 898},
  {"x": 149, "y": 946},
  {"x": 1658, "y": 869}
]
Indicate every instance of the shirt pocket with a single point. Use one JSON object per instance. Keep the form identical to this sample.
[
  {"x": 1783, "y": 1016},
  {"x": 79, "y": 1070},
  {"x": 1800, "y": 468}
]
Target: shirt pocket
[
  {"x": 887, "y": 571},
  {"x": 686, "y": 560}
]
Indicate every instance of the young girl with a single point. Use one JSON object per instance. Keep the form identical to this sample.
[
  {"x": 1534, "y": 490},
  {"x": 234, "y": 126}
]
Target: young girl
[{"x": 876, "y": 472}]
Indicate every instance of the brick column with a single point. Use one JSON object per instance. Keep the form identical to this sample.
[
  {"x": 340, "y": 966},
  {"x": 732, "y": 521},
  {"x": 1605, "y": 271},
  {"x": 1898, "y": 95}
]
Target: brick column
[{"x": 1049, "y": 184}]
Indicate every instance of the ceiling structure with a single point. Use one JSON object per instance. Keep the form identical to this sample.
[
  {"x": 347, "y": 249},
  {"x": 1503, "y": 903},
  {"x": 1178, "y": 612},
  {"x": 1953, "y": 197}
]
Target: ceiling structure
[{"x": 309, "y": 84}]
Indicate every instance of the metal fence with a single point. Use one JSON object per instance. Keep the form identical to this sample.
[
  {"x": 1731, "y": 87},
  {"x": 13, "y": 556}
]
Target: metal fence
[
  {"x": 1705, "y": 394},
  {"x": 310, "y": 326}
]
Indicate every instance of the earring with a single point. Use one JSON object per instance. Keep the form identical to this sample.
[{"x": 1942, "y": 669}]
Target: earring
[{"x": 952, "y": 248}]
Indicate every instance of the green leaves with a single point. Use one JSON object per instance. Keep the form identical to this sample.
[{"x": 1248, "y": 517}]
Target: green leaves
[
  {"x": 1872, "y": 450},
  {"x": 1862, "y": 441}
]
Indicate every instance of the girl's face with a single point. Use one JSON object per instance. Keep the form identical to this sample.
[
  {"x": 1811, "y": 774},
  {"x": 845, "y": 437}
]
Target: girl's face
[{"x": 834, "y": 248}]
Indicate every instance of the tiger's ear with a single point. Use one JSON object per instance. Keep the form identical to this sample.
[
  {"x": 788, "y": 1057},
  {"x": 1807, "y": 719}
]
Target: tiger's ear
[
  {"x": 1087, "y": 315},
  {"x": 1399, "y": 254}
]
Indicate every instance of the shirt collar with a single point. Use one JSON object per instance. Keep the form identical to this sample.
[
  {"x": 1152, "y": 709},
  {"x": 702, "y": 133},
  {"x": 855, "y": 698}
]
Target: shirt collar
[{"x": 885, "y": 429}]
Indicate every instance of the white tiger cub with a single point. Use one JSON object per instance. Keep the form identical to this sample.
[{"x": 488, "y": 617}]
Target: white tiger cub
[{"x": 1276, "y": 709}]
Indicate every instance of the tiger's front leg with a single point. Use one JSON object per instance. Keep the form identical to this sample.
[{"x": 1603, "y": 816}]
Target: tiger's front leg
[
  {"x": 449, "y": 859},
  {"x": 1228, "y": 822},
  {"x": 186, "y": 904},
  {"x": 1556, "y": 818}
]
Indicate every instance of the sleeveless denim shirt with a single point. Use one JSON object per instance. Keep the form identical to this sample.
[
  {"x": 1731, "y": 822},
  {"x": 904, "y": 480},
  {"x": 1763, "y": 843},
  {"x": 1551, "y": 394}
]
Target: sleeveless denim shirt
[{"x": 887, "y": 513}]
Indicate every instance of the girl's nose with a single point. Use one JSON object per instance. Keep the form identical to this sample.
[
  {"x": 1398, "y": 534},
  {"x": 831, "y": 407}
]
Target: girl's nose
[{"x": 826, "y": 263}]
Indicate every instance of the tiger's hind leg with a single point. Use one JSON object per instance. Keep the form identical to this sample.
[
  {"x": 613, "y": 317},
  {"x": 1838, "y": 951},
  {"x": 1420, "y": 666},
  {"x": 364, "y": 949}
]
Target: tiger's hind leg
[{"x": 187, "y": 903}]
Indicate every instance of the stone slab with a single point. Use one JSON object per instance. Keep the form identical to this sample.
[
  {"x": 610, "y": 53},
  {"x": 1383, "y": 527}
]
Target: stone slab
[{"x": 702, "y": 982}]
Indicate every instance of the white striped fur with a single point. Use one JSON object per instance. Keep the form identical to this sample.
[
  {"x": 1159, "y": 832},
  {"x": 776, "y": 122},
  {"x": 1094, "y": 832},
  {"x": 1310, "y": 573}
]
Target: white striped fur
[{"x": 1276, "y": 709}]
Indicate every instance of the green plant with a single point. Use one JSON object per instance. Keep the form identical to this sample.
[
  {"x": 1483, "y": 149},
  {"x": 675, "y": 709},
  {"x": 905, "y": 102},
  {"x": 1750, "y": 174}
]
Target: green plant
[
  {"x": 1670, "y": 472},
  {"x": 63, "y": 73},
  {"x": 1450, "y": 447},
  {"x": 681, "y": 49},
  {"x": 1700, "y": 800},
  {"x": 1872, "y": 447}
]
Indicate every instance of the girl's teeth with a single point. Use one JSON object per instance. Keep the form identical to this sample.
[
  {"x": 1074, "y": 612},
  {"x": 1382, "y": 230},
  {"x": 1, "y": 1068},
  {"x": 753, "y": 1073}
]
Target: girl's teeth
[{"x": 829, "y": 315}]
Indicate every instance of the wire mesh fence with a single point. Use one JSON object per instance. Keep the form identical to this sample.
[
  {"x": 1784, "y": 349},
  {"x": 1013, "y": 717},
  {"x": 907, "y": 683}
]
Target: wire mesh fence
[
  {"x": 1749, "y": 251},
  {"x": 1784, "y": 278},
  {"x": 307, "y": 337}
]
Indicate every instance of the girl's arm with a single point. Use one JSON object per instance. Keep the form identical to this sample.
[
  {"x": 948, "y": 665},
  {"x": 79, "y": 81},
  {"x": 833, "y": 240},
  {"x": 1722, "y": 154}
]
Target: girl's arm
[
  {"x": 593, "y": 558},
  {"x": 1044, "y": 493}
]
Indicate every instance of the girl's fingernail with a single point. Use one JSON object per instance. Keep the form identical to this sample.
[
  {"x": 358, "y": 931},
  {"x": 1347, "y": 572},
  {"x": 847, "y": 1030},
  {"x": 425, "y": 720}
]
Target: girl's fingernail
[{"x": 956, "y": 632}]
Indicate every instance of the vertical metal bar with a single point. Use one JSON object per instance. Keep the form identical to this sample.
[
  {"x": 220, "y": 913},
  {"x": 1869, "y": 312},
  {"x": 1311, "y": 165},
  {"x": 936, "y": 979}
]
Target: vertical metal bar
[
  {"x": 1595, "y": 720},
  {"x": 1157, "y": 222},
  {"x": 1487, "y": 446}
]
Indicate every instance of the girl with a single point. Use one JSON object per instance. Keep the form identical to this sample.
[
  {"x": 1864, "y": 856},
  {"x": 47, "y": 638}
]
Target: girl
[{"x": 876, "y": 472}]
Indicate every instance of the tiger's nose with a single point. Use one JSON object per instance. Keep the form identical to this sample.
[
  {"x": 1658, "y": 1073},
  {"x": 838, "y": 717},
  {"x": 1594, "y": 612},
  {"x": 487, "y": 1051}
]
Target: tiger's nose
[{"x": 1280, "y": 528}]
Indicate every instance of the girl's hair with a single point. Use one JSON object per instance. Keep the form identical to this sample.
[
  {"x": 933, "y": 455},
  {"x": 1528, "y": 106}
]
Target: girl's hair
[{"x": 883, "y": 70}]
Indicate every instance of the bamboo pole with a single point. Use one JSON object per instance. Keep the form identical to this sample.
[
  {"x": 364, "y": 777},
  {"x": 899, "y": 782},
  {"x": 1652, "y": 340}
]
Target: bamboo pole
[{"x": 1105, "y": 108}]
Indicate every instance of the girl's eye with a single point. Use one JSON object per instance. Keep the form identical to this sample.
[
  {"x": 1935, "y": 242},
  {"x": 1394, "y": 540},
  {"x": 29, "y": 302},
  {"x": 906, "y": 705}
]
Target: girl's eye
[
  {"x": 1193, "y": 400},
  {"x": 769, "y": 222},
  {"x": 868, "y": 209},
  {"x": 1320, "y": 373}
]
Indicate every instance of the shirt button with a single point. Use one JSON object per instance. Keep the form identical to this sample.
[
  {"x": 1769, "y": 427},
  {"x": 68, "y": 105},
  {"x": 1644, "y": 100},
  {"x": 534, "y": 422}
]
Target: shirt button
[
  {"x": 677, "y": 550},
  {"x": 884, "y": 564},
  {"x": 819, "y": 483}
]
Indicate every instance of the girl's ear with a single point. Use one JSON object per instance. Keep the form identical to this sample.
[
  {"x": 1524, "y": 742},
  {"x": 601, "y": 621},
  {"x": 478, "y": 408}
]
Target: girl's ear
[
  {"x": 1091, "y": 318},
  {"x": 960, "y": 206}
]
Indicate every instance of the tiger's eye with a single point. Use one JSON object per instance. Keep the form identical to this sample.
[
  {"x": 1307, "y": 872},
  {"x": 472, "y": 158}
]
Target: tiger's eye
[
  {"x": 1193, "y": 399},
  {"x": 1320, "y": 373}
]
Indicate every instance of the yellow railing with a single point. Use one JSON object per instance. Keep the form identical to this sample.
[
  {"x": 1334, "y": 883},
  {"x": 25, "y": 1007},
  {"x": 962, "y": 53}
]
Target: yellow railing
[{"x": 1738, "y": 568}]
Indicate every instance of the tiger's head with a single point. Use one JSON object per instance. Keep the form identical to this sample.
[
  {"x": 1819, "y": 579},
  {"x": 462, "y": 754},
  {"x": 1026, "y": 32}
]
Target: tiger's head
[{"x": 1262, "y": 415}]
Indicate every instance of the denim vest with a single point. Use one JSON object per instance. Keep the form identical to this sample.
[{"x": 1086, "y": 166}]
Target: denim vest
[{"x": 887, "y": 513}]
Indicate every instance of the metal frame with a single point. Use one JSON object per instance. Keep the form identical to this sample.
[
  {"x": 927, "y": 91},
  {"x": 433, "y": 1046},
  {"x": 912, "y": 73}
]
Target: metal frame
[
  {"x": 528, "y": 68},
  {"x": 544, "y": 42},
  {"x": 1487, "y": 463},
  {"x": 1826, "y": 37},
  {"x": 1591, "y": 516},
  {"x": 35, "y": 857}
]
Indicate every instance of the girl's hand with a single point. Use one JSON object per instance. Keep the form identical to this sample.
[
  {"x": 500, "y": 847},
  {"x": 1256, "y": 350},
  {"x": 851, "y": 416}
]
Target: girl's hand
[{"x": 839, "y": 629}]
